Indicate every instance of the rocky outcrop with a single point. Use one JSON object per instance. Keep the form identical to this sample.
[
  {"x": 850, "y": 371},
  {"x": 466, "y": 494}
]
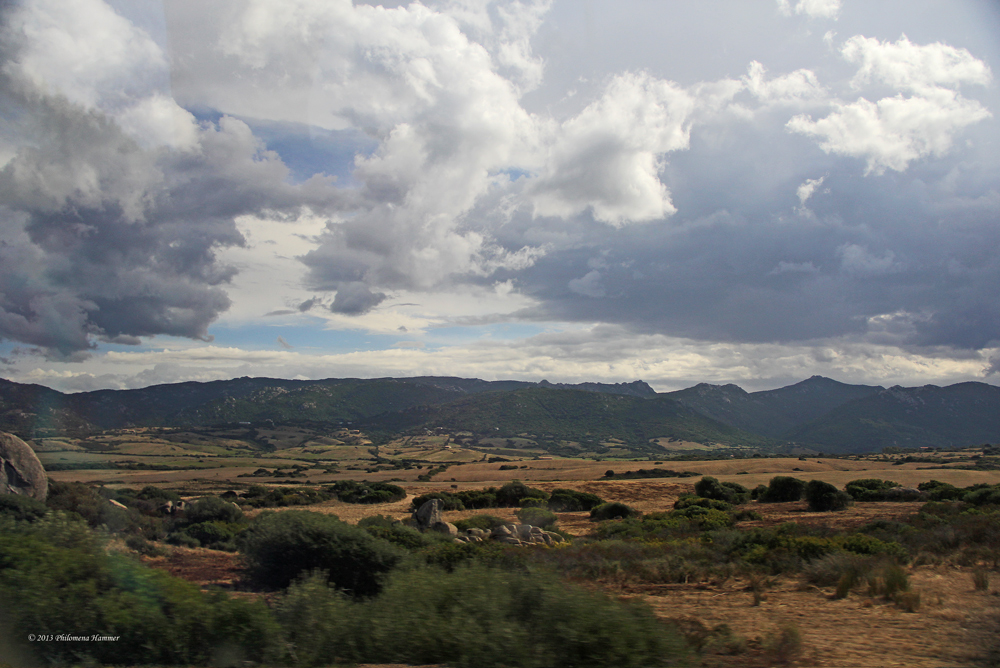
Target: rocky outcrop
[
  {"x": 428, "y": 517},
  {"x": 429, "y": 514},
  {"x": 20, "y": 471},
  {"x": 512, "y": 534}
]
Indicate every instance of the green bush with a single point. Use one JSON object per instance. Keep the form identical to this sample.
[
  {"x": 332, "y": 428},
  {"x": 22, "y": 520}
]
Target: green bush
[
  {"x": 279, "y": 547},
  {"x": 87, "y": 503},
  {"x": 609, "y": 511},
  {"x": 985, "y": 496},
  {"x": 869, "y": 489},
  {"x": 212, "y": 509},
  {"x": 531, "y": 502},
  {"x": 822, "y": 496},
  {"x": 350, "y": 491},
  {"x": 484, "y": 522},
  {"x": 730, "y": 492},
  {"x": 448, "y": 501},
  {"x": 707, "y": 519},
  {"x": 487, "y": 618},
  {"x": 941, "y": 491},
  {"x": 394, "y": 531},
  {"x": 782, "y": 489},
  {"x": 510, "y": 495},
  {"x": 57, "y": 578},
  {"x": 539, "y": 517},
  {"x": 22, "y": 508},
  {"x": 687, "y": 500},
  {"x": 569, "y": 500},
  {"x": 758, "y": 492}
]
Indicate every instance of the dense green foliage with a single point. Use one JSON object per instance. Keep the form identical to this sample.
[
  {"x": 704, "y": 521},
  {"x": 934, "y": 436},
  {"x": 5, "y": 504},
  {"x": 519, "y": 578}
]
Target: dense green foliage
[
  {"x": 56, "y": 578},
  {"x": 782, "y": 489},
  {"x": 475, "y": 617},
  {"x": 279, "y": 547},
  {"x": 730, "y": 492},
  {"x": 869, "y": 489},
  {"x": 610, "y": 511},
  {"x": 570, "y": 500},
  {"x": 823, "y": 496},
  {"x": 350, "y": 491},
  {"x": 511, "y": 495}
]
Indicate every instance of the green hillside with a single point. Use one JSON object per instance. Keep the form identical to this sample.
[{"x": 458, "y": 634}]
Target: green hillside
[
  {"x": 571, "y": 415},
  {"x": 772, "y": 413},
  {"x": 959, "y": 415}
]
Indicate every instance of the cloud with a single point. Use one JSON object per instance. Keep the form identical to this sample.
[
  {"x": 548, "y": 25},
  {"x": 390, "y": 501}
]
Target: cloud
[
  {"x": 855, "y": 259},
  {"x": 605, "y": 353},
  {"x": 607, "y": 158},
  {"x": 355, "y": 298},
  {"x": 904, "y": 65},
  {"x": 824, "y": 9},
  {"x": 589, "y": 285},
  {"x": 807, "y": 188},
  {"x": 284, "y": 344},
  {"x": 800, "y": 86},
  {"x": 104, "y": 237},
  {"x": 895, "y": 131}
]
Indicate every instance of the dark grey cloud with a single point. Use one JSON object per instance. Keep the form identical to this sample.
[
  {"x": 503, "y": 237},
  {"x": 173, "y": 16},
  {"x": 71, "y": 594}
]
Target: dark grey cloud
[
  {"x": 903, "y": 258},
  {"x": 102, "y": 239},
  {"x": 355, "y": 298}
]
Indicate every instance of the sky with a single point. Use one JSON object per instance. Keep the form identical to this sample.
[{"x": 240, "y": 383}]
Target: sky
[{"x": 751, "y": 192}]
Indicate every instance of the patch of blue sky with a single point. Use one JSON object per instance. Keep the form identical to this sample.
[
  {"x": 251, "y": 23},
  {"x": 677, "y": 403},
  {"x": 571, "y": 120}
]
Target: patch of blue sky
[
  {"x": 515, "y": 174},
  {"x": 307, "y": 150},
  {"x": 312, "y": 339}
]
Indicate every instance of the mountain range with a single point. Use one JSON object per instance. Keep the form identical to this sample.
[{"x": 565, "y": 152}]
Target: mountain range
[{"x": 818, "y": 413}]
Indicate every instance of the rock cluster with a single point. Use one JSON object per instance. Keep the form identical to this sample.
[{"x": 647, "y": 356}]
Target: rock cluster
[
  {"x": 20, "y": 471},
  {"x": 512, "y": 534},
  {"x": 428, "y": 518}
]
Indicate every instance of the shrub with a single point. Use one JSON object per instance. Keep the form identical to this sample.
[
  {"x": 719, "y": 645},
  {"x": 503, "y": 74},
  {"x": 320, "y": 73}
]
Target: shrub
[
  {"x": 869, "y": 489},
  {"x": 986, "y": 496},
  {"x": 215, "y": 535},
  {"x": 687, "y": 501},
  {"x": 279, "y": 547},
  {"x": 57, "y": 578},
  {"x": 830, "y": 569},
  {"x": 531, "y": 502},
  {"x": 746, "y": 516},
  {"x": 730, "y": 492},
  {"x": 350, "y": 491},
  {"x": 538, "y": 517},
  {"x": 394, "y": 531},
  {"x": 757, "y": 492},
  {"x": 822, "y": 496},
  {"x": 784, "y": 645},
  {"x": 707, "y": 519},
  {"x": 448, "y": 501},
  {"x": 782, "y": 489},
  {"x": 981, "y": 579},
  {"x": 484, "y": 522},
  {"x": 941, "y": 491},
  {"x": 569, "y": 500},
  {"x": 609, "y": 511},
  {"x": 22, "y": 508},
  {"x": 428, "y": 617},
  {"x": 212, "y": 509},
  {"x": 510, "y": 495}
]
